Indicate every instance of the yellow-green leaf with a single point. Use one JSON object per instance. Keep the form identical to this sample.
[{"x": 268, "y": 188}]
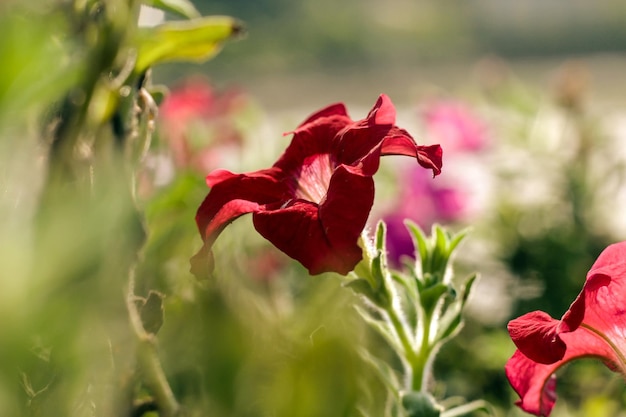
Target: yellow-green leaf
[{"x": 195, "y": 40}]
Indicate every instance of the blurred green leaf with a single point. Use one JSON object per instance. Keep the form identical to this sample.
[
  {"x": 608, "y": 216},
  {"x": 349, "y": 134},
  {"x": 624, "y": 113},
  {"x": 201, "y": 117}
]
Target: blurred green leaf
[
  {"x": 36, "y": 68},
  {"x": 182, "y": 8},
  {"x": 381, "y": 329},
  {"x": 152, "y": 312},
  {"x": 195, "y": 40},
  {"x": 385, "y": 371},
  {"x": 420, "y": 404}
]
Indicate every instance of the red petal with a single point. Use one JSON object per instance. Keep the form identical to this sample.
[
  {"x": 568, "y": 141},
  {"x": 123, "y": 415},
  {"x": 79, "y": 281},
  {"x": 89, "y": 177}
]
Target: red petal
[
  {"x": 323, "y": 238},
  {"x": 535, "y": 334},
  {"x": 365, "y": 136},
  {"x": 337, "y": 109},
  {"x": 310, "y": 139},
  {"x": 605, "y": 295},
  {"x": 539, "y": 336},
  {"x": 231, "y": 196},
  {"x": 399, "y": 142},
  {"x": 346, "y": 209},
  {"x": 383, "y": 112},
  {"x": 298, "y": 232},
  {"x": 534, "y": 382}
]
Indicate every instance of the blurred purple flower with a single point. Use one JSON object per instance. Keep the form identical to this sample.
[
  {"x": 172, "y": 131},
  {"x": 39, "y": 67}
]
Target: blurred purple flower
[
  {"x": 425, "y": 202},
  {"x": 422, "y": 200}
]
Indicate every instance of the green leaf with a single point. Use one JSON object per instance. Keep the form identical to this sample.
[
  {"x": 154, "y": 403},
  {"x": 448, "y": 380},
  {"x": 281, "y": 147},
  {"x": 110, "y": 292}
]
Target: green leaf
[
  {"x": 410, "y": 285},
  {"x": 378, "y": 272},
  {"x": 362, "y": 286},
  {"x": 195, "y": 40},
  {"x": 465, "y": 292},
  {"x": 457, "y": 239},
  {"x": 387, "y": 374},
  {"x": 421, "y": 244},
  {"x": 382, "y": 329},
  {"x": 431, "y": 295},
  {"x": 182, "y": 8},
  {"x": 380, "y": 236},
  {"x": 449, "y": 325},
  {"x": 420, "y": 404}
]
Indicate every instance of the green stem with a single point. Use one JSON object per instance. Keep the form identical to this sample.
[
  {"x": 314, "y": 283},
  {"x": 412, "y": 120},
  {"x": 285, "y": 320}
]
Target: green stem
[
  {"x": 403, "y": 334},
  {"x": 422, "y": 358},
  {"x": 148, "y": 357}
]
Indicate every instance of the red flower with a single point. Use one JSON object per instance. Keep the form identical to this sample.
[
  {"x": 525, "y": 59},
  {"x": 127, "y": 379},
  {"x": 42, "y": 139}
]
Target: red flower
[
  {"x": 313, "y": 203},
  {"x": 594, "y": 325}
]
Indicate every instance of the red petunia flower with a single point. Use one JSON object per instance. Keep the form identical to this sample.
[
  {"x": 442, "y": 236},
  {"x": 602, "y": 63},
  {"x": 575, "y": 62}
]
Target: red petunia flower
[
  {"x": 313, "y": 203},
  {"x": 594, "y": 326}
]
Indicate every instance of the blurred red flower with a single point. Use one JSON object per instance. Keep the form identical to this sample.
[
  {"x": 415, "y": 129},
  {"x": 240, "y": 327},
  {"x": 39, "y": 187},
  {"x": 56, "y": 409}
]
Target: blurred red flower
[
  {"x": 594, "y": 326},
  {"x": 198, "y": 123},
  {"x": 313, "y": 203}
]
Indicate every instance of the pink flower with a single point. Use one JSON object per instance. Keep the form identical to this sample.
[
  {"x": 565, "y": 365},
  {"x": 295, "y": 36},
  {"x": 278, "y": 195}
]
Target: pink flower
[
  {"x": 313, "y": 203},
  {"x": 455, "y": 126},
  {"x": 594, "y": 326},
  {"x": 192, "y": 110}
]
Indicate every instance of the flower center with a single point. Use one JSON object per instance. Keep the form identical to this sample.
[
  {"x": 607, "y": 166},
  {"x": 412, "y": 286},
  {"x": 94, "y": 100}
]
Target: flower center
[{"x": 314, "y": 178}]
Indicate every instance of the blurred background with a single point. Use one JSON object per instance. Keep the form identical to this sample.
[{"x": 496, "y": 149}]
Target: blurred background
[
  {"x": 299, "y": 49},
  {"x": 526, "y": 98}
]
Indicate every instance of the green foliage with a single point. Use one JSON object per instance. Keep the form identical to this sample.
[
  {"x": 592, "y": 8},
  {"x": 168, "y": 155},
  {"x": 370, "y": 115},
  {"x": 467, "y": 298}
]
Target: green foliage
[
  {"x": 419, "y": 404},
  {"x": 195, "y": 40}
]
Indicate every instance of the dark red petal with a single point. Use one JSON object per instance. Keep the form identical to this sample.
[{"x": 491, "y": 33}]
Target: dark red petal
[
  {"x": 311, "y": 139},
  {"x": 535, "y": 334},
  {"x": 430, "y": 157},
  {"x": 345, "y": 210},
  {"x": 534, "y": 382},
  {"x": 323, "y": 238},
  {"x": 337, "y": 109},
  {"x": 399, "y": 142},
  {"x": 360, "y": 138},
  {"x": 231, "y": 196},
  {"x": 383, "y": 112},
  {"x": 298, "y": 232}
]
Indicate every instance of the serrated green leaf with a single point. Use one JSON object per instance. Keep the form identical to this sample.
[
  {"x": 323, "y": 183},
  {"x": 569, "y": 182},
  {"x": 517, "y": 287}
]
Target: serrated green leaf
[
  {"x": 195, "y": 40},
  {"x": 182, "y": 8}
]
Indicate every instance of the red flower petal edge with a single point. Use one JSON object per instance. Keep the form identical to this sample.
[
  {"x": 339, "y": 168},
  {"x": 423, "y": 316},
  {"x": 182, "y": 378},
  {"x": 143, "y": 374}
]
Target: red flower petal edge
[
  {"x": 594, "y": 326},
  {"x": 313, "y": 203}
]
